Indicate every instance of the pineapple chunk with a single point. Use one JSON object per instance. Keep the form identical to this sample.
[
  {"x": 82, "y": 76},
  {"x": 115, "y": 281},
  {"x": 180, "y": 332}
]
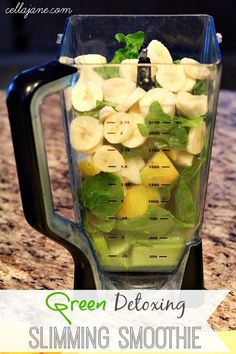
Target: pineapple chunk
[
  {"x": 159, "y": 171},
  {"x": 87, "y": 167},
  {"x": 137, "y": 201}
]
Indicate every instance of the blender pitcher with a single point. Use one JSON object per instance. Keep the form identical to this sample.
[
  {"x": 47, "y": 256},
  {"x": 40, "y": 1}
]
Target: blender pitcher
[{"x": 139, "y": 97}]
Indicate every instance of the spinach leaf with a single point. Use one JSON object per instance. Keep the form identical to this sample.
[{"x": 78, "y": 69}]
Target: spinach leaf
[
  {"x": 156, "y": 121},
  {"x": 190, "y": 172},
  {"x": 145, "y": 150},
  {"x": 102, "y": 194},
  {"x": 95, "y": 112},
  {"x": 93, "y": 223},
  {"x": 185, "y": 209},
  {"x": 133, "y": 42},
  {"x": 188, "y": 122},
  {"x": 169, "y": 132},
  {"x": 200, "y": 88},
  {"x": 157, "y": 221}
]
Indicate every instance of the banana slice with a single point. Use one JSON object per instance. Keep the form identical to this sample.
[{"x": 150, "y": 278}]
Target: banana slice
[
  {"x": 131, "y": 171},
  {"x": 66, "y": 60},
  {"x": 108, "y": 159},
  {"x": 191, "y": 105},
  {"x": 136, "y": 138},
  {"x": 196, "y": 70},
  {"x": 180, "y": 157},
  {"x": 86, "y": 63},
  {"x": 95, "y": 148},
  {"x": 161, "y": 95},
  {"x": 158, "y": 53},
  {"x": 135, "y": 108},
  {"x": 85, "y": 95},
  {"x": 129, "y": 69},
  {"x": 106, "y": 112},
  {"x": 140, "y": 162},
  {"x": 135, "y": 96},
  {"x": 189, "y": 83},
  {"x": 88, "y": 74},
  {"x": 90, "y": 59},
  {"x": 118, "y": 127},
  {"x": 196, "y": 139},
  {"x": 117, "y": 89},
  {"x": 171, "y": 77},
  {"x": 86, "y": 133}
]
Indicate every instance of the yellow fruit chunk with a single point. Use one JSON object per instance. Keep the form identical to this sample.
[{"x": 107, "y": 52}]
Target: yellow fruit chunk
[
  {"x": 87, "y": 167},
  {"x": 180, "y": 157},
  {"x": 159, "y": 171},
  {"x": 137, "y": 201}
]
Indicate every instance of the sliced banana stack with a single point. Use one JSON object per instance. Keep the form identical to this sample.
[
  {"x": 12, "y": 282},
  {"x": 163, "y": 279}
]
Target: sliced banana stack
[
  {"x": 191, "y": 105},
  {"x": 131, "y": 171},
  {"x": 86, "y": 134},
  {"x": 118, "y": 127},
  {"x": 158, "y": 53},
  {"x": 128, "y": 102},
  {"x": 136, "y": 138},
  {"x": 163, "y": 96},
  {"x": 196, "y": 139},
  {"x": 194, "y": 69},
  {"x": 171, "y": 77},
  {"x": 117, "y": 89},
  {"x": 85, "y": 94},
  {"x": 108, "y": 159}
]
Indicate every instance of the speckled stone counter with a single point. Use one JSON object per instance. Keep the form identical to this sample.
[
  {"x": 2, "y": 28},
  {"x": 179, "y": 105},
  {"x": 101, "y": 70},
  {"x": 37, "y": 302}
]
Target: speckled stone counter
[{"x": 28, "y": 260}]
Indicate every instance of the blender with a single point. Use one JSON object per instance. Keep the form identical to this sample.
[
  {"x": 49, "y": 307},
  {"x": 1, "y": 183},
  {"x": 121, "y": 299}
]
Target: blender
[{"x": 139, "y": 97}]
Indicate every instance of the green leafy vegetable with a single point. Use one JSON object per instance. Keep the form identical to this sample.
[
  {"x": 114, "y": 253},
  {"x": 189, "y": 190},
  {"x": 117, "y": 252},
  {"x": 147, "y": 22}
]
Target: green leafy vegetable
[
  {"x": 169, "y": 132},
  {"x": 188, "y": 122},
  {"x": 190, "y": 172},
  {"x": 144, "y": 150},
  {"x": 102, "y": 194},
  {"x": 185, "y": 209},
  {"x": 93, "y": 223},
  {"x": 133, "y": 42},
  {"x": 99, "y": 105},
  {"x": 200, "y": 88},
  {"x": 157, "y": 221},
  {"x": 177, "y": 61}
]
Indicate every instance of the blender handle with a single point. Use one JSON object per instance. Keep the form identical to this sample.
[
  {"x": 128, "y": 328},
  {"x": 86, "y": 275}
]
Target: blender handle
[{"x": 24, "y": 96}]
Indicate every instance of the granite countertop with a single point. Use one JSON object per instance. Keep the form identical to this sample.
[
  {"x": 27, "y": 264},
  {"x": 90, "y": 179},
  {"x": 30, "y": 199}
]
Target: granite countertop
[{"x": 28, "y": 260}]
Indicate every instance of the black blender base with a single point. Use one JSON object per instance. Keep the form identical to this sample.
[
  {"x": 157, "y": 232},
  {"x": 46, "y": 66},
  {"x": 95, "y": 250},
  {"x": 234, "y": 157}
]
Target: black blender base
[
  {"x": 192, "y": 280},
  {"x": 193, "y": 275}
]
